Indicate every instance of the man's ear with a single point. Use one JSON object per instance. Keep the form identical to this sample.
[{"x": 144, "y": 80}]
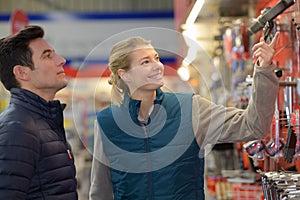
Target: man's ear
[
  {"x": 123, "y": 75},
  {"x": 21, "y": 72}
]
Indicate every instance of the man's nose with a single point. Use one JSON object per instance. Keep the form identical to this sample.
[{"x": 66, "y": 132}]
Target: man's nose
[{"x": 60, "y": 60}]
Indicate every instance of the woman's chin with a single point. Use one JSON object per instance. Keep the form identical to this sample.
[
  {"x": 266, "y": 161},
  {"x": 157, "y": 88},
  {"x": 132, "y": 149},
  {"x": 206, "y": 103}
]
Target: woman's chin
[{"x": 153, "y": 86}]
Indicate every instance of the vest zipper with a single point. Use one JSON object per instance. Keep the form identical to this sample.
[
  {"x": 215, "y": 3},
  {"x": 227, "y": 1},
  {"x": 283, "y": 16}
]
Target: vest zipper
[{"x": 148, "y": 161}]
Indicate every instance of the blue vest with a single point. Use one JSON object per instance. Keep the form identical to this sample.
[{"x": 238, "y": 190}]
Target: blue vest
[{"x": 157, "y": 161}]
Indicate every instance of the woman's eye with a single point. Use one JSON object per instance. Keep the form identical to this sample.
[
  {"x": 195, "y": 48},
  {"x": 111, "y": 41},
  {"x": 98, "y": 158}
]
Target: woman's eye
[{"x": 145, "y": 62}]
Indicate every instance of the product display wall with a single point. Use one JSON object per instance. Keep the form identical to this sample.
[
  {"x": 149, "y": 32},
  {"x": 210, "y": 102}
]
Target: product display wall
[{"x": 280, "y": 149}]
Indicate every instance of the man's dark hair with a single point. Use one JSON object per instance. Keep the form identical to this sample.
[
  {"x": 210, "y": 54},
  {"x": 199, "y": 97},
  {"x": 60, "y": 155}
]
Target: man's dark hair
[{"x": 14, "y": 50}]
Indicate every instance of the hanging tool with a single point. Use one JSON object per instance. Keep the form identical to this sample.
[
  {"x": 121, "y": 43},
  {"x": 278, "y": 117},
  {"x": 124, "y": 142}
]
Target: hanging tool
[{"x": 289, "y": 149}]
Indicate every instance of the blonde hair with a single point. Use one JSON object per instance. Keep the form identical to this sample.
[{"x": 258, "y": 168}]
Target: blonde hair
[{"x": 119, "y": 59}]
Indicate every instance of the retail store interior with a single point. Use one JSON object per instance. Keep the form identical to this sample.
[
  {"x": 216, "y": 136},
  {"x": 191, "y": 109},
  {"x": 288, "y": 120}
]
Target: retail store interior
[{"x": 205, "y": 46}]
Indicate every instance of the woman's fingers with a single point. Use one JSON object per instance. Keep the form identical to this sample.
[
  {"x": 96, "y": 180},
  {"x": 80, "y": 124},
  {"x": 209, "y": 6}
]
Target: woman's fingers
[{"x": 263, "y": 52}]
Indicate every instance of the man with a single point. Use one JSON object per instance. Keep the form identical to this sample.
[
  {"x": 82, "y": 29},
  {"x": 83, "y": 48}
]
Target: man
[{"x": 36, "y": 161}]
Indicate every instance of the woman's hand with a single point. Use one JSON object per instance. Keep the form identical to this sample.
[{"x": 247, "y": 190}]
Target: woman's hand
[{"x": 263, "y": 53}]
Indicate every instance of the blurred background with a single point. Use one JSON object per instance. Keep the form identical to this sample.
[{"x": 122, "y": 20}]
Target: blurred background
[{"x": 206, "y": 48}]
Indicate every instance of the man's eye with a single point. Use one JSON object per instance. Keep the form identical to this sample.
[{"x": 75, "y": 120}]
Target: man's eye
[
  {"x": 157, "y": 58},
  {"x": 48, "y": 55}
]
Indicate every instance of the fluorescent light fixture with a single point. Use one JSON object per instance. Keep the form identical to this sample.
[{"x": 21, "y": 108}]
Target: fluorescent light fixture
[
  {"x": 194, "y": 12},
  {"x": 190, "y": 35}
]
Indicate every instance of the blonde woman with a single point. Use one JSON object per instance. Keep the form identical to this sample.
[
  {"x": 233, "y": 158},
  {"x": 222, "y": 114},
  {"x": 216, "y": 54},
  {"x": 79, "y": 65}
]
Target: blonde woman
[{"x": 149, "y": 143}]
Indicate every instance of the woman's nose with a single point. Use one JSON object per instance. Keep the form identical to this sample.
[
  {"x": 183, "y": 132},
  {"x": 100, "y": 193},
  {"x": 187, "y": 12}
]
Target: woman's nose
[{"x": 157, "y": 66}]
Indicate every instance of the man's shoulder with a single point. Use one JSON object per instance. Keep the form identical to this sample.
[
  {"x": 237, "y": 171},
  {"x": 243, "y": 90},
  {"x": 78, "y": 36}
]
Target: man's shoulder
[
  {"x": 16, "y": 113},
  {"x": 16, "y": 119}
]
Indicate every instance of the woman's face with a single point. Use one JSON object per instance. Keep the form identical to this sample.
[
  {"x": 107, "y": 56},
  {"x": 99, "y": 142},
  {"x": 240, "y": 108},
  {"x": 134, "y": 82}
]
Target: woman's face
[{"x": 146, "y": 71}]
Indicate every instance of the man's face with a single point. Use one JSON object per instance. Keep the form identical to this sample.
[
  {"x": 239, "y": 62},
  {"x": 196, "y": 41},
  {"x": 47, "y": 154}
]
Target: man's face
[{"x": 48, "y": 74}]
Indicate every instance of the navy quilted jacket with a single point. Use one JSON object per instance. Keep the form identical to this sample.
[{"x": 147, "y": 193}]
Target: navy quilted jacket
[{"x": 35, "y": 159}]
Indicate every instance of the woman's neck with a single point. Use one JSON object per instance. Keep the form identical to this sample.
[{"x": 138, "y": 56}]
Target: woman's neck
[
  {"x": 147, "y": 99},
  {"x": 144, "y": 96}
]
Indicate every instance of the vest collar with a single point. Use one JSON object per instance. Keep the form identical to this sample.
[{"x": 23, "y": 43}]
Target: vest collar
[{"x": 133, "y": 105}]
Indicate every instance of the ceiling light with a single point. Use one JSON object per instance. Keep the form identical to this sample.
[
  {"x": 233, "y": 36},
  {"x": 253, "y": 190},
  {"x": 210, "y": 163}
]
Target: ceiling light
[{"x": 194, "y": 12}]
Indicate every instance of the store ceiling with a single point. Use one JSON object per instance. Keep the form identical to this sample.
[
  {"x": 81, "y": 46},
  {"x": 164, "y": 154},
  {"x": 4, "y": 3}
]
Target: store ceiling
[
  {"x": 231, "y": 8},
  {"x": 217, "y": 14},
  {"x": 214, "y": 14}
]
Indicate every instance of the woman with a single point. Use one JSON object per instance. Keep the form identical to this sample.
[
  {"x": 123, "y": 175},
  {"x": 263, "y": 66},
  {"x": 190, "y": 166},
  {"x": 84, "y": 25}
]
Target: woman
[{"x": 151, "y": 142}]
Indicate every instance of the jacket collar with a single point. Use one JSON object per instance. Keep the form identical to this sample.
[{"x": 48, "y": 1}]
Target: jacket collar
[
  {"x": 35, "y": 103},
  {"x": 133, "y": 105}
]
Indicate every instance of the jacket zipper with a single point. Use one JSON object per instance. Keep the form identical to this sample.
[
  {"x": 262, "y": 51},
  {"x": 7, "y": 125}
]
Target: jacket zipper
[
  {"x": 148, "y": 161},
  {"x": 69, "y": 154}
]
